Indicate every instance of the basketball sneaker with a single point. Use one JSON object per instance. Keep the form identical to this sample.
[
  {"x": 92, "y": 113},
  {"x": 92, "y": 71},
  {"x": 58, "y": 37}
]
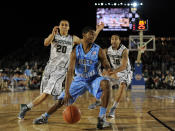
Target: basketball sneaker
[
  {"x": 94, "y": 105},
  {"x": 23, "y": 110},
  {"x": 112, "y": 113},
  {"x": 102, "y": 123},
  {"x": 41, "y": 120}
]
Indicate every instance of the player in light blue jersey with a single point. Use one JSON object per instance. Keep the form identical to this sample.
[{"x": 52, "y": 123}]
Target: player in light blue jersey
[
  {"x": 121, "y": 73},
  {"x": 84, "y": 62},
  {"x": 55, "y": 71}
]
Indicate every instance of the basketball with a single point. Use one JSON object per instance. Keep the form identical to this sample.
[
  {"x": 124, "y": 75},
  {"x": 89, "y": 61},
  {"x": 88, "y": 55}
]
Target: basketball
[{"x": 71, "y": 114}]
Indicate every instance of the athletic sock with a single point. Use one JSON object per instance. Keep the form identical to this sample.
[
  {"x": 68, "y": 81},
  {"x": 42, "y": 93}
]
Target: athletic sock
[
  {"x": 46, "y": 115},
  {"x": 102, "y": 111},
  {"x": 30, "y": 105},
  {"x": 115, "y": 104}
]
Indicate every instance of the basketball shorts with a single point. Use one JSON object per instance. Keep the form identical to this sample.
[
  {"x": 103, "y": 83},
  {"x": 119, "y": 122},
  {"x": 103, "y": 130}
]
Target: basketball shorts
[
  {"x": 53, "y": 77},
  {"x": 79, "y": 87},
  {"x": 123, "y": 77}
]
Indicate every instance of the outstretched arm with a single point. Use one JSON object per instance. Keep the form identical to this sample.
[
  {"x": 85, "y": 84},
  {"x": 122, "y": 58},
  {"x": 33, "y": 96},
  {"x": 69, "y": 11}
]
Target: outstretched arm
[{"x": 98, "y": 29}]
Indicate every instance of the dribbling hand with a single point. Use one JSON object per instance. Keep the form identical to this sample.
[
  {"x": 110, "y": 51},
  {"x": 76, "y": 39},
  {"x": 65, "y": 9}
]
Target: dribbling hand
[{"x": 67, "y": 98}]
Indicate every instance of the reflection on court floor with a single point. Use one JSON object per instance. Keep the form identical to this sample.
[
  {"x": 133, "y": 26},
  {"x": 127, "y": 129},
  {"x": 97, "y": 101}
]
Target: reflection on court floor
[{"x": 137, "y": 112}]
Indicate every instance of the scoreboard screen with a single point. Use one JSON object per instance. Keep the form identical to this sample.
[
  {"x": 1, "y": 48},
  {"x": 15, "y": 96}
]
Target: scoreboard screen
[
  {"x": 120, "y": 19},
  {"x": 115, "y": 19},
  {"x": 140, "y": 25}
]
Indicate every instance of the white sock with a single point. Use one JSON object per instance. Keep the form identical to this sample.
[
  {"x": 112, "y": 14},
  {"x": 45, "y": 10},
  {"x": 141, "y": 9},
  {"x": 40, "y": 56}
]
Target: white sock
[
  {"x": 115, "y": 104},
  {"x": 30, "y": 105}
]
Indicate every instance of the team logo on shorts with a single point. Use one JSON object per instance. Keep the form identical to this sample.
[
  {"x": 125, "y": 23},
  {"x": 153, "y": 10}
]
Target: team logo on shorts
[{"x": 138, "y": 77}]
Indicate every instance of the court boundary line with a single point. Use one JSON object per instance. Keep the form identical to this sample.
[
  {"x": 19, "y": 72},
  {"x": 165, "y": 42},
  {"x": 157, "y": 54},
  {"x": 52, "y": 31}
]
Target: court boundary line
[{"x": 149, "y": 112}]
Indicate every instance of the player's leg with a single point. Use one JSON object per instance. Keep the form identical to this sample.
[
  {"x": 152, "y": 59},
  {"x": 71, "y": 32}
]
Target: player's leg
[
  {"x": 124, "y": 80},
  {"x": 56, "y": 91},
  {"x": 105, "y": 86},
  {"x": 47, "y": 87},
  {"x": 43, "y": 119},
  {"x": 98, "y": 102},
  {"x": 121, "y": 94},
  {"x": 76, "y": 90},
  {"x": 26, "y": 107},
  {"x": 44, "y": 94},
  {"x": 101, "y": 90}
]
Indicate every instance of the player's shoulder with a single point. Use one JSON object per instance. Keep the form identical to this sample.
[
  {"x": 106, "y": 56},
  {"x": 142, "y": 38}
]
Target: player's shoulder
[
  {"x": 75, "y": 37},
  {"x": 123, "y": 46},
  {"x": 78, "y": 45},
  {"x": 96, "y": 46},
  {"x": 75, "y": 46},
  {"x": 109, "y": 49}
]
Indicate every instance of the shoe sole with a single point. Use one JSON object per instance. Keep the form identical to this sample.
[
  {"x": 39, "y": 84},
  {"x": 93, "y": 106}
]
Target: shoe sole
[
  {"x": 39, "y": 123},
  {"x": 91, "y": 108},
  {"x": 20, "y": 118},
  {"x": 106, "y": 127},
  {"x": 111, "y": 117}
]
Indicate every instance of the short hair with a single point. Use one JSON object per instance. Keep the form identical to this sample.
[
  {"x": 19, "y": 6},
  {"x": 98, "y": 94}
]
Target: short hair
[
  {"x": 117, "y": 36},
  {"x": 87, "y": 29},
  {"x": 63, "y": 20}
]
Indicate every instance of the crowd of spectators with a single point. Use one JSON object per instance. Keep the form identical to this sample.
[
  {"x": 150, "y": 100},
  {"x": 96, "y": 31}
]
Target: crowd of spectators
[{"x": 23, "y": 68}]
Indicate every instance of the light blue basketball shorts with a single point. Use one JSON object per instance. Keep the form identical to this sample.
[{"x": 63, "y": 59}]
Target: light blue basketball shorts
[{"x": 79, "y": 87}]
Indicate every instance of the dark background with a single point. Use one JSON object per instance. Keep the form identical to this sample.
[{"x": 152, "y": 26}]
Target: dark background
[{"x": 21, "y": 21}]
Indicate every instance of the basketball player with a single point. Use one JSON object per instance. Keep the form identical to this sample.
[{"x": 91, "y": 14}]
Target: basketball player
[
  {"x": 121, "y": 73},
  {"x": 84, "y": 61},
  {"x": 56, "y": 68}
]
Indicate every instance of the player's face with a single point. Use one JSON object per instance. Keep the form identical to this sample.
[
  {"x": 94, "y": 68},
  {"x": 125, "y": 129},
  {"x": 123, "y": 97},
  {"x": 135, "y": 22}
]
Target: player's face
[
  {"x": 64, "y": 26},
  {"x": 90, "y": 36},
  {"x": 115, "y": 41}
]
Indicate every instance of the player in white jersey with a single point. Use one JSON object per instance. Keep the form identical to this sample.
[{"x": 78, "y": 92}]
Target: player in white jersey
[
  {"x": 56, "y": 68},
  {"x": 121, "y": 74}
]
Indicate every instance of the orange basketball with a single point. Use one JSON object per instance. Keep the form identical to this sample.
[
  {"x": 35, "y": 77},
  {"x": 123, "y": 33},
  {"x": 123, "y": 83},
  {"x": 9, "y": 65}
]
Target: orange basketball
[{"x": 71, "y": 114}]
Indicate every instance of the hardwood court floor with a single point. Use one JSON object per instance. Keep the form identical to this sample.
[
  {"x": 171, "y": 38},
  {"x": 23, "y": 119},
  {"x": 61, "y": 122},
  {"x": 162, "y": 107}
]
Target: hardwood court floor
[{"x": 152, "y": 110}]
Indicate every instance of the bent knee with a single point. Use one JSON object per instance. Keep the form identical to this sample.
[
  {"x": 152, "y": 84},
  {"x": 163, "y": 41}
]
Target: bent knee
[{"x": 45, "y": 95}]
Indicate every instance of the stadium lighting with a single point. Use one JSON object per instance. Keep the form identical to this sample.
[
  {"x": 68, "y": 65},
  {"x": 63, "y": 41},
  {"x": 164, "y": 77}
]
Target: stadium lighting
[{"x": 134, "y": 4}]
